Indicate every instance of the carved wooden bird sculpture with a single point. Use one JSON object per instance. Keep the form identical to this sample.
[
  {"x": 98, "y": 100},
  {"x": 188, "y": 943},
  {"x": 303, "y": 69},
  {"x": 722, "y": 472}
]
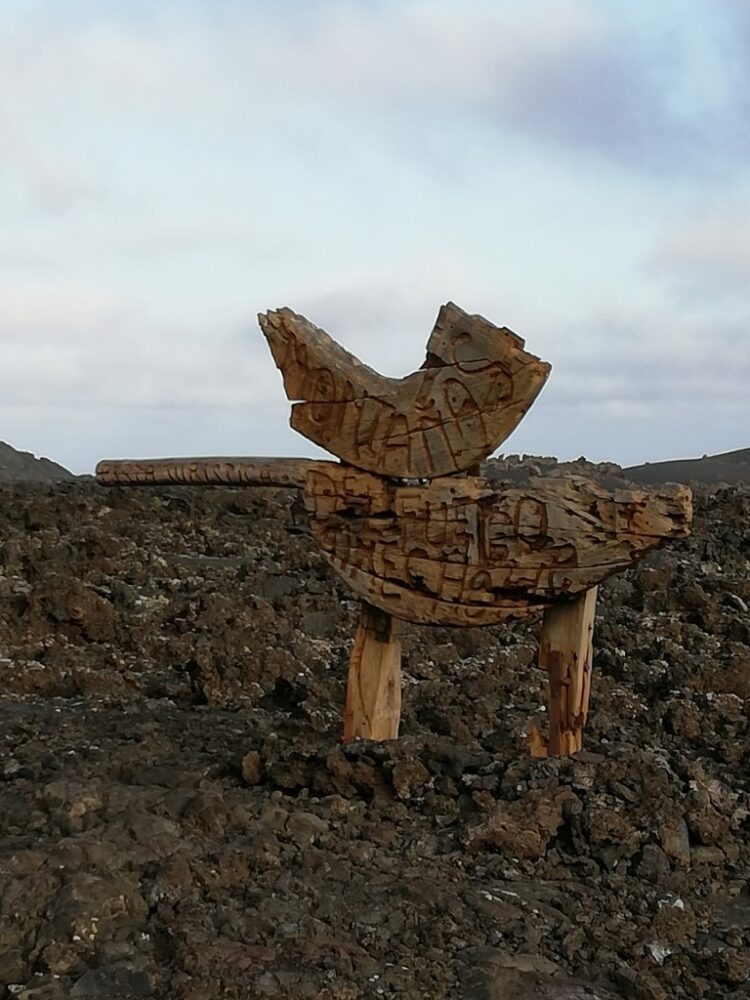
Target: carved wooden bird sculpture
[{"x": 406, "y": 519}]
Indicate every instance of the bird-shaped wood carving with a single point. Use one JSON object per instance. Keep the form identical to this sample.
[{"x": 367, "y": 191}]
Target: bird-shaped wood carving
[{"x": 408, "y": 522}]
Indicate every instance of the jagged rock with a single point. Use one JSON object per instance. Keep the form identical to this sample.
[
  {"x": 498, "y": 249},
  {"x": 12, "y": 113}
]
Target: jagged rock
[{"x": 346, "y": 870}]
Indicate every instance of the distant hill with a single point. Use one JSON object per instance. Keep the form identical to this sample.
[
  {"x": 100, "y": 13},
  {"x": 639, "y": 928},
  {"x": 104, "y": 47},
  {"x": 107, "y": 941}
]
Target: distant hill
[
  {"x": 731, "y": 467},
  {"x": 23, "y": 467}
]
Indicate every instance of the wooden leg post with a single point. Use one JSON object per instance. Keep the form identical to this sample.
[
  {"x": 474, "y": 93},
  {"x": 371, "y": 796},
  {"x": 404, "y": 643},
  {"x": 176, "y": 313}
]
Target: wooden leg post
[
  {"x": 565, "y": 651},
  {"x": 373, "y": 691}
]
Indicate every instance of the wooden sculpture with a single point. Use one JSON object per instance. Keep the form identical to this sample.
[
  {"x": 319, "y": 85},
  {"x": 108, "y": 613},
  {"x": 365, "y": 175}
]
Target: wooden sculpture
[
  {"x": 473, "y": 389},
  {"x": 408, "y": 522}
]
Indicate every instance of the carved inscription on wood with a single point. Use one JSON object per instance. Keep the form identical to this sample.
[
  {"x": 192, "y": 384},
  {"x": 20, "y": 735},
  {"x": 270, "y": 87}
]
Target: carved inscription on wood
[
  {"x": 458, "y": 552},
  {"x": 204, "y": 472},
  {"x": 475, "y": 386}
]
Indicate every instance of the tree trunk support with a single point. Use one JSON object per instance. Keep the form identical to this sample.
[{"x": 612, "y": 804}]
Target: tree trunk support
[
  {"x": 373, "y": 692},
  {"x": 565, "y": 652}
]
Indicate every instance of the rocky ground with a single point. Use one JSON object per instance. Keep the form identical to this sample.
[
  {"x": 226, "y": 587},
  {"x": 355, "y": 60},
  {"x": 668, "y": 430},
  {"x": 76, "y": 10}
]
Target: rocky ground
[{"x": 177, "y": 818}]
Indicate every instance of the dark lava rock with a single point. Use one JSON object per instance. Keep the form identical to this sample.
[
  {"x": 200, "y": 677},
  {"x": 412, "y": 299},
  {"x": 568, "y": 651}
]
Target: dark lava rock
[
  {"x": 179, "y": 820},
  {"x": 112, "y": 982}
]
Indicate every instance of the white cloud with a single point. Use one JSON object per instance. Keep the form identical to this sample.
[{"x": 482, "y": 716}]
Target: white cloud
[
  {"x": 169, "y": 169},
  {"x": 34, "y": 311},
  {"x": 567, "y": 70},
  {"x": 708, "y": 255},
  {"x": 63, "y": 344}
]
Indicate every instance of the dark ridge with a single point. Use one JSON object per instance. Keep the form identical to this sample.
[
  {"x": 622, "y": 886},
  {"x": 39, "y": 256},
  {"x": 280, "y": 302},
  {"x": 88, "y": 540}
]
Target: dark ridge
[
  {"x": 730, "y": 467},
  {"x": 23, "y": 467}
]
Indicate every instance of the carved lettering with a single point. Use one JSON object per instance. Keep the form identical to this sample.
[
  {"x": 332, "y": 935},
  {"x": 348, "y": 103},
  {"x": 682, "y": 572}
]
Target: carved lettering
[{"x": 458, "y": 543}]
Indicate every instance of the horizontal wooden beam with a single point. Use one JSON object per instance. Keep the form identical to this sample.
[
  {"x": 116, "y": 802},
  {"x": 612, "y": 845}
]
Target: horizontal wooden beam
[{"x": 289, "y": 472}]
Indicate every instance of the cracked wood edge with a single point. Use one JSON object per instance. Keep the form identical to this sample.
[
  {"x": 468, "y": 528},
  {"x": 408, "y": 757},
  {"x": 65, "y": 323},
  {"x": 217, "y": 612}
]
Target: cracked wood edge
[
  {"x": 373, "y": 693},
  {"x": 476, "y": 385},
  {"x": 422, "y": 609}
]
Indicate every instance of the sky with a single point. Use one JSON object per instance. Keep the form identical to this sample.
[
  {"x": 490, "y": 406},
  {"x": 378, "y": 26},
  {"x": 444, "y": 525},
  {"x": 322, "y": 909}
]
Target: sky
[{"x": 576, "y": 170}]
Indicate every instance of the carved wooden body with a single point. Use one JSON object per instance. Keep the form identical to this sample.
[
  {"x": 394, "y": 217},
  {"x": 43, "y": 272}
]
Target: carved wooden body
[
  {"x": 456, "y": 551},
  {"x": 459, "y": 552}
]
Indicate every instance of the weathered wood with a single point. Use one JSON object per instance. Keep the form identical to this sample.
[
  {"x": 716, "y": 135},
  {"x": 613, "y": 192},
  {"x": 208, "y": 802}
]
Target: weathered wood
[
  {"x": 291, "y": 472},
  {"x": 565, "y": 652},
  {"x": 476, "y": 385},
  {"x": 458, "y": 552},
  {"x": 373, "y": 693},
  {"x": 453, "y": 551}
]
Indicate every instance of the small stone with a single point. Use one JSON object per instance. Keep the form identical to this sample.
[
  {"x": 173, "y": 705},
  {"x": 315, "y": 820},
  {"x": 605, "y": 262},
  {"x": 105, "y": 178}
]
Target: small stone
[
  {"x": 735, "y": 601},
  {"x": 252, "y": 768},
  {"x": 305, "y": 827},
  {"x": 274, "y": 817},
  {"x": 267, "y": 985},
  {"x": 409, "y": 777},
  {"x": 736, "y": 966},
  {"x": 318, "y": 624},
  {"x": 694, "y": 596},
  {"x": 675, "y": 840},
  {"x": 627, "y": 979},
  {"x": 9, "y": 769},
  {"x": 708, "y": 856},
  {"x": 623, "y": 791},
  {"x": 112, "y": 982},
  {"x": 654, "y": 863},
  {"x": 278, "y": 586}
]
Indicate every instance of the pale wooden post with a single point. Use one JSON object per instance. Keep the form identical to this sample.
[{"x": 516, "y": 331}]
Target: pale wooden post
[
  {"x": 373, "y": 692},
  {"x": 565, "y": 652}
]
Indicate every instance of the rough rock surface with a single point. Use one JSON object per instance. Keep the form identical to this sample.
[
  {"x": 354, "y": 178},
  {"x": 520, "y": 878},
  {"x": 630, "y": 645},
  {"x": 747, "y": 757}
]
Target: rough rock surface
[
  {"x": 732, "y": 468},
  {"x": 178, "y": 820}
]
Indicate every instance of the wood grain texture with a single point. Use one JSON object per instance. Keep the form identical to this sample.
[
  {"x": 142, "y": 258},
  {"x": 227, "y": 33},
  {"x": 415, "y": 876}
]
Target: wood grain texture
[
  {"x": 565, "y": 652},
  {"x": 410, "y": 605},
  {"x": 373, "y": 692},
  {"x": 456, "y": 551},
  {"x": 291, "y": 472},
  {"x": 476, "y": 384}
]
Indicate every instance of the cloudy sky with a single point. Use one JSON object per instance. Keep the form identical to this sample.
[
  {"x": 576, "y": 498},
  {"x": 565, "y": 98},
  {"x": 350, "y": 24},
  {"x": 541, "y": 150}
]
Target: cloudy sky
[{"x": 574, "y": 169}]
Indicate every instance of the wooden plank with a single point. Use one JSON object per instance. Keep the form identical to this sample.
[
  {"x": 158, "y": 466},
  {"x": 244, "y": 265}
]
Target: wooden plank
[
  {"x": 476, "y": 385},
  {"x": 373, "y": 692},
  {"x": 565, "y": 652},
  {"x": 289, "y": 472}
]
